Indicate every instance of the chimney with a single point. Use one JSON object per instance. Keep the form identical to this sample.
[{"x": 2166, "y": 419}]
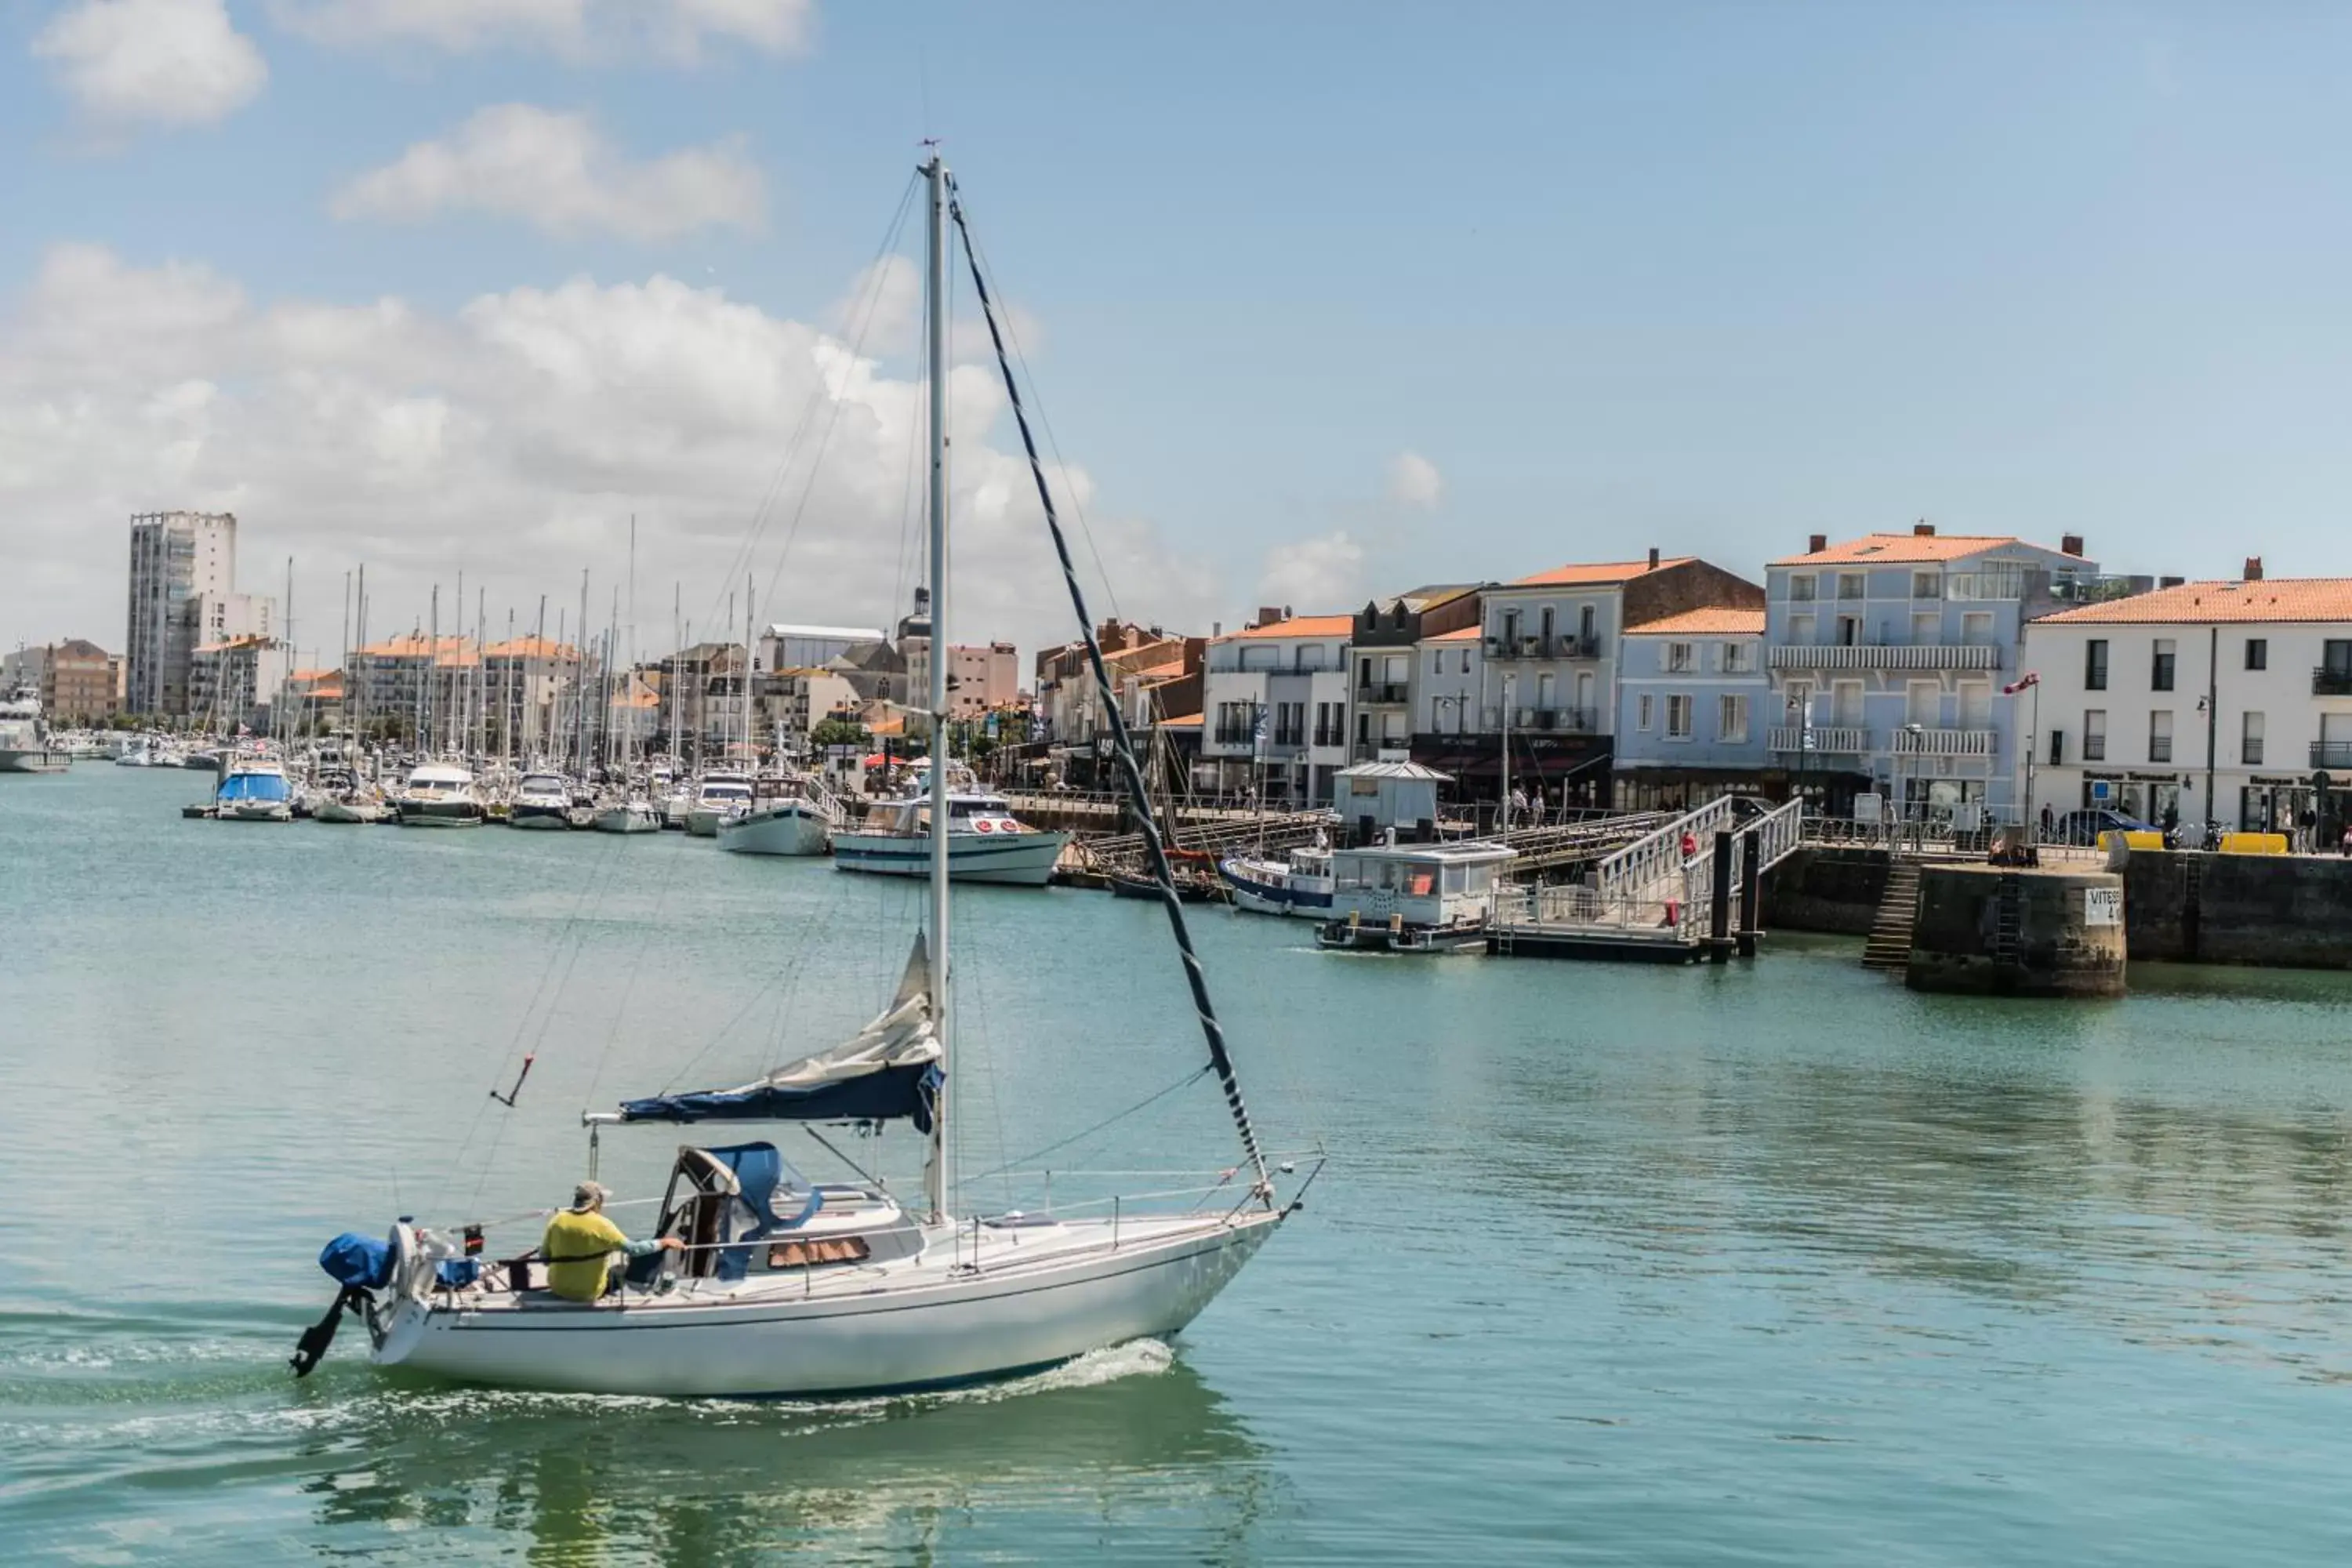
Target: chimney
[
  {"x": 2070, "y": 544},
  {"x": 1216, "y": 628},
  {"x": 2254, "y": 572},
  {"x": 1654, "y": 558},
  {"x": 1817, "y": 542},
  {"x": 1922, "y": 528}
]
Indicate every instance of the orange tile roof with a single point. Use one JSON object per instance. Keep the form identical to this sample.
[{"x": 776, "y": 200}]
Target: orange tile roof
[
  {"x": 1467, "y": 634},
  {"x": 1903, "y": 548},
  {"x": 1304, "y": 626},
  {"x": 1189, "y": 721},
  {"x": 1718, "y": 620},
  {"x": 314, "y": 674},
  {"x": 2264, "y": 599},
  {"x": 447, "y": 651},
  {"x": 327, "y": 690},
  {"x": 530, "y": 647},
  {"x": 1596, "y": 575}
]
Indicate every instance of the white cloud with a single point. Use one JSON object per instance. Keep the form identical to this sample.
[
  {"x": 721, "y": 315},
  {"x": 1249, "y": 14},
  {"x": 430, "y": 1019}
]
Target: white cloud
[
  {"x": 681, "y": 30},
  {"x": 510, "y": 439},
  {"x": 1414, "y": 481},
  {"x": 556, "y": 172},
  {"x": 1323, "y": 575},
  {"x": 161, "y": 62}
]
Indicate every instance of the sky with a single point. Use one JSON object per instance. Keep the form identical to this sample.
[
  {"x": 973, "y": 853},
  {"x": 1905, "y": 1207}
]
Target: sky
[{"x": 1321, "y": 300}]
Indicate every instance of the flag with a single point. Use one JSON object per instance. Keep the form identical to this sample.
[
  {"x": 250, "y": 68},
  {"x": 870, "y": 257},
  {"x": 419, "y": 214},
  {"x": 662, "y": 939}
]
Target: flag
[{"x": 2020, "y": 683}]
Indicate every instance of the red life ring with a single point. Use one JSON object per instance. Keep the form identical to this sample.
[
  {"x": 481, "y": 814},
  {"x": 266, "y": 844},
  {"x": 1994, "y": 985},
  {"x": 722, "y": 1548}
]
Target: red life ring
[{"x": 985, "y": 825}]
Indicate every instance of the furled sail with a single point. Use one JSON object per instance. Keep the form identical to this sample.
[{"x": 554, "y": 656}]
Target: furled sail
[{"x": 888, "y": 1069}]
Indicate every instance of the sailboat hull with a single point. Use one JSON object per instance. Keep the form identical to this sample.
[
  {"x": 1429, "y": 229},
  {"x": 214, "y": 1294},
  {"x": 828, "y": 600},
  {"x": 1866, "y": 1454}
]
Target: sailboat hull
[
  {"x": 848, "y": 1335},
  {"x": 792, "y": 828},
  {"x": 1022, "y": 859}
]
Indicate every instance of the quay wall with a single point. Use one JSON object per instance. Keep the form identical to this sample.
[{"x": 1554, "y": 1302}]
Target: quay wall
[
  {"x": 1987, "y": 931},
  {"x": 2291, "y": 911},
  {"x": 1831, "y": 888}
]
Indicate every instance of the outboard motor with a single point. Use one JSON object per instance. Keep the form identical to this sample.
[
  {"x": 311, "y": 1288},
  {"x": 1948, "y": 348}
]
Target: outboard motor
[{"x": 358, "y": 1264}]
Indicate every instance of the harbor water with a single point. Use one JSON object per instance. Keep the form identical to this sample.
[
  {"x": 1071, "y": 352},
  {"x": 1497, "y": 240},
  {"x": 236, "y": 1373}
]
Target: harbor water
[{"x": 1772, "y": 1263}]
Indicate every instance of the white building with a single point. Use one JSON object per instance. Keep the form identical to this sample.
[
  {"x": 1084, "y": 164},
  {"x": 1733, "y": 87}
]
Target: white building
[
  {"x": 2214, "y": 701},
  {"x": 785, "y": 646},
  {"x": 1292, "y": 673},
  {"x": 175, "y": 557}
]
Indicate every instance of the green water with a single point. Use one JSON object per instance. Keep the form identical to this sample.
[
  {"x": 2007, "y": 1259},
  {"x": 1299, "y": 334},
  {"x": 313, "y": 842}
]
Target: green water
[{"x": 1767, "y": 1264}]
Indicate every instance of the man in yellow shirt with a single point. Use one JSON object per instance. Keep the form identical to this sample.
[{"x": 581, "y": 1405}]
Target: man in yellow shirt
[{"x": 582, "y": 1245}]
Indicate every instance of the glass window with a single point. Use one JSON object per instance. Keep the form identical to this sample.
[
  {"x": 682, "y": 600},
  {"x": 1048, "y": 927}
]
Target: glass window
[
  {"x": 2258, "y": 653},
  {"x": 2094, "y": 664},
  {"x": 1927, "y": 628},
  {"x": 1642, "y": 711},
  {"x": 1851, "y": 584},
  {"x": 1731, "y": 719},
  {"x": 1678, "y": 658},
  {"x": 1678, "y": 716},
  {"x": 1801, "y": 630},
  {"x": 2159, "y": 675},
  {"x": 2250, "y": 744},
  {"x": 1738, "y": 659},
  {"x": 1801, "y": 586},
  {"x": 2159, "y": 735},
  {"x": 1927, "y": 585},
  {"x": 2095, "y": 734}
]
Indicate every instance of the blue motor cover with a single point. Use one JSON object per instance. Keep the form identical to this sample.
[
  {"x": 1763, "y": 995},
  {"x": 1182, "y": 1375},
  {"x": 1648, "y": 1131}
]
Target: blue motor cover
[{"x": 358, "y": 1260}]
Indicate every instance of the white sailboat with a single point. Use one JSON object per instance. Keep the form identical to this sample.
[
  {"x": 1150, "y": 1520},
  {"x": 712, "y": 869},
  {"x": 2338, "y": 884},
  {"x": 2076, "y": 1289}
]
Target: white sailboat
[
  {"x": 786, "y": 1285},
  {"x": 792, "y": 814}
]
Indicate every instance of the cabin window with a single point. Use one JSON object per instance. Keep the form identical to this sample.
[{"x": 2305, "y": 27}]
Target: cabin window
[
  {"x": 826, "y": 1249},
  {"x": 1455, "y": 878},
  {"x": 1420, "y": 881}
]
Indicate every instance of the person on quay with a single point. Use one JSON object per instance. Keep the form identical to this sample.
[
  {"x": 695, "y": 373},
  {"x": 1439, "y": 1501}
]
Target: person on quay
[{"x": 582, "y": 1247}]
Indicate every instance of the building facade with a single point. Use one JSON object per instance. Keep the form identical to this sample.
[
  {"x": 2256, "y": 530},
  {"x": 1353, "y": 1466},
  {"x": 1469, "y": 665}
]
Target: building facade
[
  {"x": 1693, "y": 710},
  {"x": 77, "y": 683},
  {"x": 785, "y": 646},
  {"x": 1284, "y": 679},
  {"x": 175, "y": 558},
  {"x": 232, "y": 683},
  {"x": 1386, "y": 650},
  {"x": 1887, "y": 656},
  {"x": 523, "y": 682},
  {"x": 2217, "y": 701}
]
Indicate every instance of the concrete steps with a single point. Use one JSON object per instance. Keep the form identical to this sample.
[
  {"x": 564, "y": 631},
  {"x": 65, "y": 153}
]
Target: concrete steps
[{"x": 1889, "y": 946}]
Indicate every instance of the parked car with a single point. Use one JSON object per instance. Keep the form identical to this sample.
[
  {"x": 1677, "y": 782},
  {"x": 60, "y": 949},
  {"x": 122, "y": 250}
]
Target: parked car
[{"x": 2083, "y": 827}]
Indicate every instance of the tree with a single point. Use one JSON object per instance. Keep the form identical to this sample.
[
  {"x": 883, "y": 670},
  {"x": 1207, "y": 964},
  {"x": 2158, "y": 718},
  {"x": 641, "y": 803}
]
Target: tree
[{"x": 837, "y": 732}]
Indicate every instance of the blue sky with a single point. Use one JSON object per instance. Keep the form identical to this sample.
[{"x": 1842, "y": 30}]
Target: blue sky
[{"x": 1705, "y": 276}]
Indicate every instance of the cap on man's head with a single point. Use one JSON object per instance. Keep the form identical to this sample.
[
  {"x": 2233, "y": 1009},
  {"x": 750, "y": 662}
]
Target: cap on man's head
[{"x": 588, "y": 1194}]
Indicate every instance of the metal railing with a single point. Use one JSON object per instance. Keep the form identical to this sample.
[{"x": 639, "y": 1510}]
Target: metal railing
[
  {"x": 1884, "y": 656},
  {"x": 1651, "y": 868},
  {"x": 2329, "y": 681},
  {"x": 1382, "y": 691},
  {"x": 2330, "y": 754}
]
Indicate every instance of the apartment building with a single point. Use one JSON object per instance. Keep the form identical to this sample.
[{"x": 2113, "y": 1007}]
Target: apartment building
[
  {"x": 1693, "y": 710},
  {"x": 2213, "y": 700},
  {"x": 1887, "y": 656},
  {"x": 1386, "y": 646},
  {"x": 524, "y": 680},
  {"x": 413, "y": 685},
  {"x": 77, "y": 682},
  {"x": 177, "y": 557},
  {"x": 1275, "y": 707},
  {"x": 234, "y": 682}
]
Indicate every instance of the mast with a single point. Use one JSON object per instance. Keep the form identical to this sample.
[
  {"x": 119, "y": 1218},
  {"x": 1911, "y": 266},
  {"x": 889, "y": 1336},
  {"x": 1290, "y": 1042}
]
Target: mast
[
  {"x": 940, "y": 1178},
  {"x": 751, "y": 751}
]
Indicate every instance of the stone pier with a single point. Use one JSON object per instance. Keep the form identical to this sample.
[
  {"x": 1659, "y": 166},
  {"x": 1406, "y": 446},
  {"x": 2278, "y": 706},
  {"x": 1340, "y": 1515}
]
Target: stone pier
[{"x": 1990, "y": 930}]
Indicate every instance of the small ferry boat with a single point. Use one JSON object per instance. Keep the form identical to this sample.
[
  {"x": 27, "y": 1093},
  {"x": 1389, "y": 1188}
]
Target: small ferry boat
[
  {"x": 25, "y": 746},
  {"x": 719, "y": 797},
  {"x": 985, "y": 843},
  {"x": 438, "y": 794},
  {"x": 255, "y": 789},
  {"x": 542, "y": 800},
  {"x": 1413, "y": 898},
  {"x": 1299, "y": 886}
]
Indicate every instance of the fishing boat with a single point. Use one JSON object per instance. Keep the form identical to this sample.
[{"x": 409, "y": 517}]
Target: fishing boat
[
  {"x": 438, "y": 794},
  {"x": 1196, "y": 879},
  {"x": 542, "y": 800},
  {"x": 719, "y": 797},
  {"x": 779, "y": 1284},
  {"x": 255, "y": 789},
  {"x": 790, "y": 813},
  {"x": 1413, "y": 898},
  {"x": 1299, "y": 886}
]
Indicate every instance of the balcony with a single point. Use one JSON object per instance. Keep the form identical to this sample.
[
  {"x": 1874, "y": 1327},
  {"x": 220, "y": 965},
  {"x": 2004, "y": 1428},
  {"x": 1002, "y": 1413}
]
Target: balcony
[
  {"x": 1571, "y": 720},
  {"x": 1333, "y": 736},
  {"x": 1885, "y": 656},
  {"x": 1844, "y": 739},
  {"x": 1945, "y": 743},
  {"x": 1567, "y": 647},
  {"x": 2331, "y": 754},
  {"x": 1387, "y": 691},
  {"x": 2329, "y": 680},
  {"x": 1236, "y": 735}
]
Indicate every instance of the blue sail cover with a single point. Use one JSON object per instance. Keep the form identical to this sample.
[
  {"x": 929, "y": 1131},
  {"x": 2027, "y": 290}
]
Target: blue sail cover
[
  {"x": 269, "y": 789},
  {"x": 891, "y": 1070}
]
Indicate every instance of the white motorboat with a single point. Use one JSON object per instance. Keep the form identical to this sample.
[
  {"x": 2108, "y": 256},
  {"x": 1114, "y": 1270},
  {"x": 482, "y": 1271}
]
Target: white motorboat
[
  {"x": 438, "y": 794},
  {"x": 985, "y": 844},
  {"x": 629, "y": 814},
  {"x": 719, "y": 797},
  {"x": 1299, "y": 886},
  {"x": 25, "y": 746},
  {"x": 255, "y": 789},
  {"x": 542, "y": 800},
  {"x": 780, "y": 1284},
  {"x": 791, "y": 815}
]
